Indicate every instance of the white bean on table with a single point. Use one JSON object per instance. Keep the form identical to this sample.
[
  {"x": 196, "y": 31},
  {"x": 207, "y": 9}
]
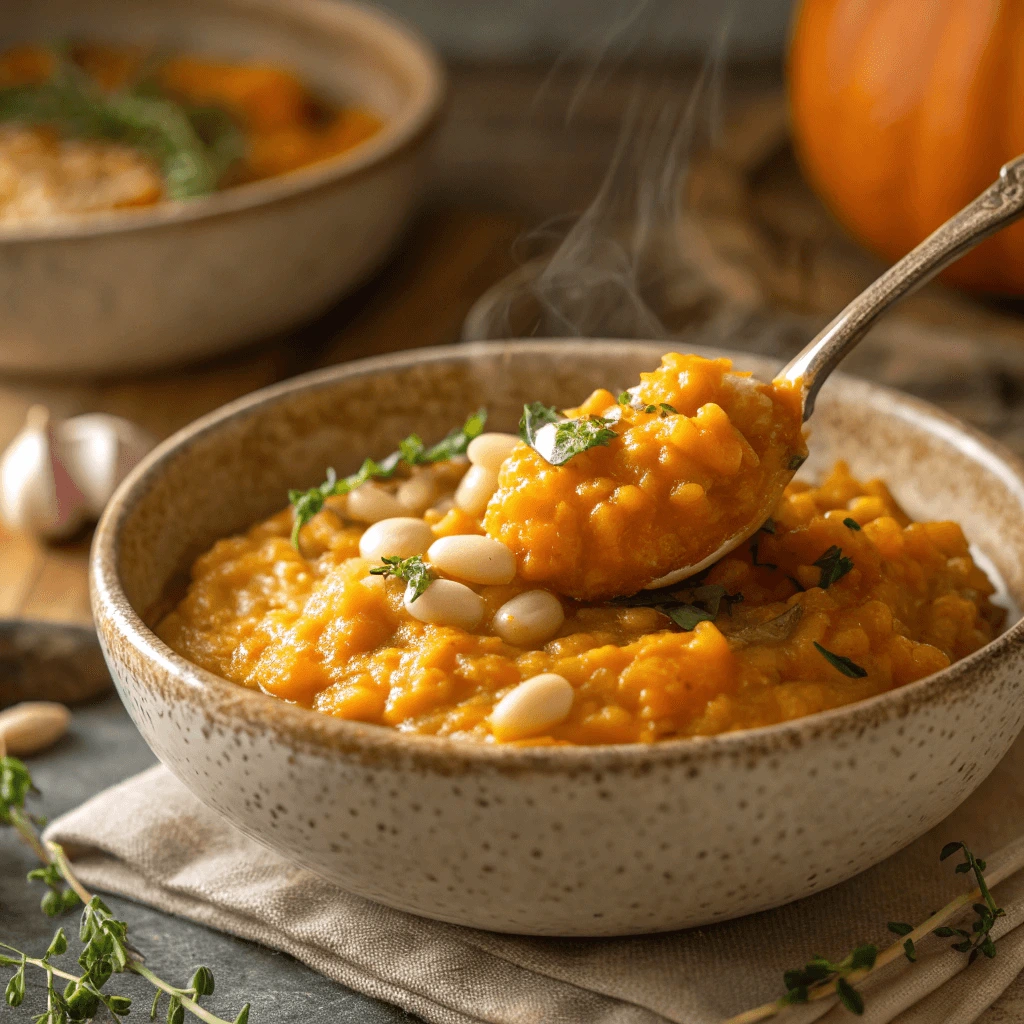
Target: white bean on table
[
  {"x": 474, "y": 559},
  {"x": 529, "y": 619},
  {"x": 447, "y": 603},
  {"x": 534, "y": 706}
]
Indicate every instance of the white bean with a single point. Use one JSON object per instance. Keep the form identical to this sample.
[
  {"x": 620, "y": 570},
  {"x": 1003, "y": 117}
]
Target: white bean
[
  {"x": 475, "y": 490},
  {"x": 491, "y": 450},
  {"x": 418, "y": 493},
  {"x": 403, "y": 536},
  {"x": 474, "y": 559},
  {"x": 529, "y": 619},
  {"x": 370, "y": 503},
  {"x": 533, "y": 707},
  {"x": 447, "y": 603}
]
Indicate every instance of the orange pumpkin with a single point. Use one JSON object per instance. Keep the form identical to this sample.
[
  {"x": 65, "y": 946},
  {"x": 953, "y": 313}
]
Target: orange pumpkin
[{"x": 903, "y": 111}]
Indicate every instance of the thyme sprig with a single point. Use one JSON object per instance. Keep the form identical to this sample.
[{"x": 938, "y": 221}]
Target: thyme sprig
[
  {"x": 413, "y": 570},
  {"x": 105, "y": 948},
  {"x": 685, "y": 606},
  {"x": 839, "y": 661},
  {"x": 568, "y": 437},
  {"x": 411, "y": 452},
  {"x": 821, "y": 978},
  {"x": 194, "y": 146},
  {"x": 834, "y": 565}
]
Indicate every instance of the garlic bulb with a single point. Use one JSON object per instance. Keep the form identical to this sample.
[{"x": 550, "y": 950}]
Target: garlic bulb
[{"x": 56, "y": 475}]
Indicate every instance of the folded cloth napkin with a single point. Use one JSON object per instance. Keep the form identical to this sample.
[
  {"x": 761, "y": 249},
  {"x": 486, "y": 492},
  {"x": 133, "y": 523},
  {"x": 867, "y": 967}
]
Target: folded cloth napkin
[{"x": 151, "y": 840}]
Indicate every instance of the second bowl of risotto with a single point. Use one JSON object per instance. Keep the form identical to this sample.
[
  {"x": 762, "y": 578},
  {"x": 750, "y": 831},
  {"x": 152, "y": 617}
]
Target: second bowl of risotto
[
  {"x": 443, "y": 639},
  {"x": 179, "y": 179}
]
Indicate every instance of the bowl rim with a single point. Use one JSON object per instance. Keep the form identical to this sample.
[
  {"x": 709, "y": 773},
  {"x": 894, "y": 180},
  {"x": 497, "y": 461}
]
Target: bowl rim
[
  {"x": 312, "y": 732},
  {"x": 417, "y": 117}
]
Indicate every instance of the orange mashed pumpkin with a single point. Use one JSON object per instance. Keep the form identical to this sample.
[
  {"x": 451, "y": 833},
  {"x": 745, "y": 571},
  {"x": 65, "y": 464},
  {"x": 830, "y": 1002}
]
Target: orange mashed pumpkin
[
  {"x": 698, "y": 447},
  {"x": 285, "y": 124},
  {"x": 312, "y": 627}
]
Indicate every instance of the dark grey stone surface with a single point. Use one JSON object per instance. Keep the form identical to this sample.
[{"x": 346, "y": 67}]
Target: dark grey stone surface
[{"x": 102, "y": 748}]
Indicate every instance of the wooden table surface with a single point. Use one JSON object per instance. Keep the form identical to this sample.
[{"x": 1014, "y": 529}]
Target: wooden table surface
[{"x": 756, "y": 262}]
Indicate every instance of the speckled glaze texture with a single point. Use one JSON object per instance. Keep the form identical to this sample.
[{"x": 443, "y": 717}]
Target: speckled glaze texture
[
  {"x": 180, "y": 281},
  {"x": 564, "y": 841}
]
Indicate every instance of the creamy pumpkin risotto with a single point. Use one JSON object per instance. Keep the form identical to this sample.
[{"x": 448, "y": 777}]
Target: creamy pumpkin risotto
[{"x": 381, "y": 598}]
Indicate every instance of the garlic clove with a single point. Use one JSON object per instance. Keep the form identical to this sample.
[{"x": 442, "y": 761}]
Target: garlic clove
[
  {"x": 37, "y": 493},
  {"x": 100, "y": 451}
]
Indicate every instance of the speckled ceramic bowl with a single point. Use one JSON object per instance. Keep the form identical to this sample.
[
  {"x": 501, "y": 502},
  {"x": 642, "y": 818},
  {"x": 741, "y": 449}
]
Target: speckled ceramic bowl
[
  {"x": 138, "y": 289},
  {"x": 554, "y": 841}
]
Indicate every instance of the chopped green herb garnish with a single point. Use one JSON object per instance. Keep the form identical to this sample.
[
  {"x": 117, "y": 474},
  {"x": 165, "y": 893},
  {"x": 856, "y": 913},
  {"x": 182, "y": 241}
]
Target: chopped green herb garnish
[
  {"x": 571, "y": 437},
  {"x": 685, "y": 606},
  {"x": 414, "y": 571},
  {"x": 796, "y": 461},
  {"x": 668, "y": 410},
  {"x": 625, "y": 398},
  {"x": 852, "y": 524},
  {"x": 843, "y": 664},
  {"x": 193, "y": 146},
  {"x": 650, "y": 408},
  {"x": 411, "y": 451},
  {"x": 536, "y": 415},
  {"x": 834, "y": 565}
]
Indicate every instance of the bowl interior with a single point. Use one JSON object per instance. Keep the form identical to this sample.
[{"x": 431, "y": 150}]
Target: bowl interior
[
  {"x": 339, "y": 49},
  {"x": 235, "y": 466}
]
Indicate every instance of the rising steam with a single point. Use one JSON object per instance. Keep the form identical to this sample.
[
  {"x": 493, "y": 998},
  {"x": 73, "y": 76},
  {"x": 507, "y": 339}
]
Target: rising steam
[{"x": 633, "y": 257}]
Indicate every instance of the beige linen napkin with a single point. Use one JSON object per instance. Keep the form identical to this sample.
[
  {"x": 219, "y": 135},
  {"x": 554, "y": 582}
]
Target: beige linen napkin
[{"x": 150, "y": 840}]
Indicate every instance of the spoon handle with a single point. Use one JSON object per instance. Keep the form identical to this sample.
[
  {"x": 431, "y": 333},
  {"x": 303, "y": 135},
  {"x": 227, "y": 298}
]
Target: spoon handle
[{"x": 1000, "y": 204}]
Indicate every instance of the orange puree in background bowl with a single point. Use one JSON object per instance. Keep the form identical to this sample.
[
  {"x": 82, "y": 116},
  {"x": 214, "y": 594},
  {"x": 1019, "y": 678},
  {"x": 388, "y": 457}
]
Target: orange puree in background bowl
[
  {"x": 697, "y": 449},
  {"x": 838, "y": 597}
]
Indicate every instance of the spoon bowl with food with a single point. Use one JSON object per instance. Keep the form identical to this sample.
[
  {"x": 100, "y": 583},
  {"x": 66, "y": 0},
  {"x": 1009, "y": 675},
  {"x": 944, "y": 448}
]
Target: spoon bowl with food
[{"x": 684, "y": 467}]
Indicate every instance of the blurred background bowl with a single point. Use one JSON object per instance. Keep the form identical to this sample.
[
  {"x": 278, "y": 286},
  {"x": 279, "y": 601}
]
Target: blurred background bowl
[{"x": 140, "y": 289}]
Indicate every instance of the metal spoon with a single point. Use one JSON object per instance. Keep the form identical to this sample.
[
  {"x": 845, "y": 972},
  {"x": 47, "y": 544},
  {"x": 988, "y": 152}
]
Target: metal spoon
[{"x": 999, "y": 205}]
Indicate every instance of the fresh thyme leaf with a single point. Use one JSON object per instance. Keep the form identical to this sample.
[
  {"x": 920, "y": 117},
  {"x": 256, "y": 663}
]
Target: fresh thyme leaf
[
  {"x": 834, "y": 565},
  {"x": 862, "y": 958},
  {"x": 850, "y": 997},
  {"x": 852, "y": 524},
  {"x": 900, "y": 928},
  {"x": 625, "y": 398},
  {"x": 949, "y": 849},
  {"x": 650, "y": 408},
  {"x": 536, "y": 415},
  {"x": 686, "y": 616},
  {"x": 457, "y": 441},
  {"x": 685, "y": 606},
  {"x": 414, "y": 571},
  {"x": 843, "y": 664},
  {"x": 566, "y": 438},
  {"x": 667, "y": 410},
  {"x": 307, "y": 504},
  {"x": 572, "y": 437}
]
